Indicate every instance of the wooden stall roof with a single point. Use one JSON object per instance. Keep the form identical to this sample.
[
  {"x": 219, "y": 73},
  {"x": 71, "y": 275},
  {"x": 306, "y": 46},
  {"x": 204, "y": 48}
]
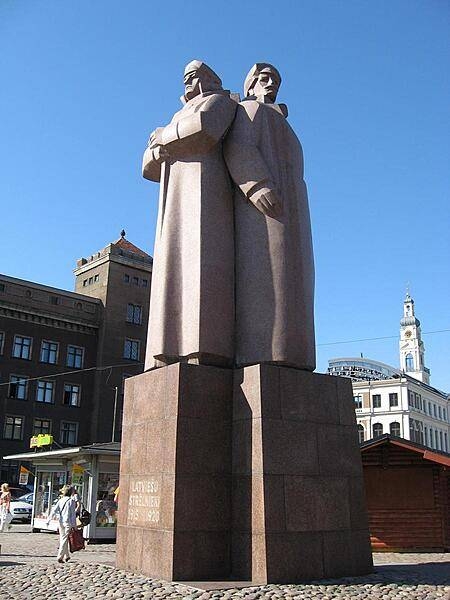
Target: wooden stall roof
[{"x": 436, "y": 456}]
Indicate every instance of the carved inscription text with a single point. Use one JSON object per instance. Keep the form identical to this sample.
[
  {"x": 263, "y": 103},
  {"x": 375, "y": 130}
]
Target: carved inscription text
[{"x": 144, "y": 502}]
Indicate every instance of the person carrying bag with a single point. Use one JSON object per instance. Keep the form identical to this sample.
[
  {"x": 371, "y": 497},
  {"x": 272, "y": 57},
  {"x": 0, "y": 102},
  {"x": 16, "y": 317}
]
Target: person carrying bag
[{"x": 65, "y": 511}]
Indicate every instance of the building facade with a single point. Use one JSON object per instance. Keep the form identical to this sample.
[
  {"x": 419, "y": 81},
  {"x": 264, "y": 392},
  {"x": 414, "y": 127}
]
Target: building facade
[
  {"x": 64, "y": 355},
  {"x": 400, "y": 402}
]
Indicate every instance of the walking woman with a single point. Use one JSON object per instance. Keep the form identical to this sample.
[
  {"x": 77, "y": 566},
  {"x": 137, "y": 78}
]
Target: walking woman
[
  {"x": 5, "y": 501},
  {"x": 64, "y": 511}
]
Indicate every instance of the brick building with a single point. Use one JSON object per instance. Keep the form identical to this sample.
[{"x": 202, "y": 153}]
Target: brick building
[{"x": 64, "y": 355}]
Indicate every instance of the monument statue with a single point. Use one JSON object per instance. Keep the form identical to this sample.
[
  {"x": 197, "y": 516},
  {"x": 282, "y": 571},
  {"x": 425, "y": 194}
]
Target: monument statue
[
  {"x": 192, "y": 298},
  {"x": 237, "y": 460},
  {"x": 274, "y": 258}
]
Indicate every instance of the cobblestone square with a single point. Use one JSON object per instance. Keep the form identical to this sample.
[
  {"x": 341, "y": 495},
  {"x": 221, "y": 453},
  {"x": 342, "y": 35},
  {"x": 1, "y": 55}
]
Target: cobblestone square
[{"x": 28, "y": 570}]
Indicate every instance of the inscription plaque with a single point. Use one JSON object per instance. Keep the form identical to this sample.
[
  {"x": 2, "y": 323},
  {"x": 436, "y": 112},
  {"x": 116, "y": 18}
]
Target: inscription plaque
[{"x": 144, "y": 502}]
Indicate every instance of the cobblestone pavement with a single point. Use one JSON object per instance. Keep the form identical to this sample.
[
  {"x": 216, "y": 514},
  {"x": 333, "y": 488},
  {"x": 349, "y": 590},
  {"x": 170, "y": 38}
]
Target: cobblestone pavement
[{"x": 28, "y": 570}]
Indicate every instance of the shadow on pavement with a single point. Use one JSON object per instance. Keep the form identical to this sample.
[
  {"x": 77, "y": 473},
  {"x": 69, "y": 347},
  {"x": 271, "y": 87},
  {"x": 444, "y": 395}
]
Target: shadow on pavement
[
  {"x": 432, "y": 573},
  {"x": 7, "y": 563},
  {"x": 437, "y": 573}
]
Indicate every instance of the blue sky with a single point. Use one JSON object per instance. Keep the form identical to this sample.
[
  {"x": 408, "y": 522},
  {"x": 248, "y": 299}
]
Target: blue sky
[{"x": 367, "y": 85}]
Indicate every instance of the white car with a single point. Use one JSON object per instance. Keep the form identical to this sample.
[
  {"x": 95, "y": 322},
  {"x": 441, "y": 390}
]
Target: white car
[{"x": 21, "y": 511}]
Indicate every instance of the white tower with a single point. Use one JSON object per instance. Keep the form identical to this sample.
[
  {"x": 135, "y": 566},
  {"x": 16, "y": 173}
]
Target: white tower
[{"x": 412, "y": 350}]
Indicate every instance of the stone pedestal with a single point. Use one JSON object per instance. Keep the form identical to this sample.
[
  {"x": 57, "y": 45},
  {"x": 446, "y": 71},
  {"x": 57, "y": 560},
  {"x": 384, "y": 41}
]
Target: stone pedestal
[
  {"x": 253, "y": 474},
  {"x": 298, "y": 497},
  {"x": 175, "y": 474}
]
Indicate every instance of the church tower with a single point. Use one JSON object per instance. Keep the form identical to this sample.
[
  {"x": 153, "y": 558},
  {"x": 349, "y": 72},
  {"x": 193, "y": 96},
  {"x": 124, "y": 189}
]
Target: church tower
[{"x": 412, "y": 349}]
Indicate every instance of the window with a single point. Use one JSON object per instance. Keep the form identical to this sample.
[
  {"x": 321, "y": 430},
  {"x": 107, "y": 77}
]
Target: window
[
  {"x": 444, "y": 413},
  {"x": 440, "y": 412},
  {"x": 22, "y": 347},
  {"x": 49, "y": 352},
  {"x": 96, "y": 277},
  {"x": 145, "y": 283},
  {"x": 84, "y": 282},
  {"x": 418, "y": 401},
  {"x": 2, "y": 287},
  {"x": 434, "y": 411},
  {"x": 441, "y": 441},
  {"x": 376, "y": 401},
  {"x": 42, "y": 426},
  {"x": 425, "y": 436},
  {"x": 394, "y": 428},
  {"x": 13, "y": 428},
  {"x": 411, "y": 398},
  {"x": 54, "y": 300},
  {"x": 358, "y": 401},
  {"x": 135, "y": 280},
  {"x": 429, "y": 408},
  {"x": 69, "y": 433},
  {"x": 126, "y": 278},
  {"x": 436, "y": 445},
  {"x": 131, "y": 349},
  {"x": 71, "y": 394},
  {"x": 91, "y": 279},
  {"x": 360, "y": 434},
  {"x": 393, "y": 399},
  {"x": 2, "y": 341},
  {"x": 409, "y": 362},
  {"x": 44, "y": 392},
  {"x": 134, "y": 314},
  {"x": 18, "y": 387},
  {"x": 75, "y": 357},
  {"x": 445, "y": 442},
  {"x": 377, "y": 429}
]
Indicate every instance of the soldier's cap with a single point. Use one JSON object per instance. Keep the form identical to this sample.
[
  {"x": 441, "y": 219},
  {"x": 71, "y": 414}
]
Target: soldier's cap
[
  {"x": 203, "y": 69},
  {"x": 252, "y": 76}
]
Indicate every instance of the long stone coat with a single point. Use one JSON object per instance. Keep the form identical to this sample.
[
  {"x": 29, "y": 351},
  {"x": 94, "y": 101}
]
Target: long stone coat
[
  {"x": 192, "y": 292},
  {"x": 274, "y": 257}
]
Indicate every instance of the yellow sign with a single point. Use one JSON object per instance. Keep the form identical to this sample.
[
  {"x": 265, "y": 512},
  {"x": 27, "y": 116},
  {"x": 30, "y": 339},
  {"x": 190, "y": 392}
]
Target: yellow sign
[
  {"x": 43, "y": 439},
  {"x": 77, "y": 474}
]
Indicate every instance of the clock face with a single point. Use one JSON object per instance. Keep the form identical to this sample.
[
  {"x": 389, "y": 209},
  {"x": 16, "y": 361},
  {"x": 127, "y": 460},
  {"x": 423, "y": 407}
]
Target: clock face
[{"x": 408, "y": 334}]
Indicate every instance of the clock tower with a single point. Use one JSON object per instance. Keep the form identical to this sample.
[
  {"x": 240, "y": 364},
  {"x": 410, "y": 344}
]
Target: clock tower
[{"x": 412, "y": 349}]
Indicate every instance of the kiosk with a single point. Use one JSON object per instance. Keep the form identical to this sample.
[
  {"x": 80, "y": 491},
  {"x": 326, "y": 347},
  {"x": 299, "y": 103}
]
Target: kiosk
[{"x": 94, "y": 472}]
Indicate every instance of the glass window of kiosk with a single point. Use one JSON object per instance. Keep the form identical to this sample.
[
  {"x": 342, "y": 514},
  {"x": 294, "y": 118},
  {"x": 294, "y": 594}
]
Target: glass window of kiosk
[
  {"x": 106, "y": 507},
  {"x": 47, "y": 491}
]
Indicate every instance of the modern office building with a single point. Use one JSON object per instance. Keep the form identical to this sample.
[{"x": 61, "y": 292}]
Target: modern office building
[
  {"x": 398, "y": 401},
  {"x": 64, "y": 355}
]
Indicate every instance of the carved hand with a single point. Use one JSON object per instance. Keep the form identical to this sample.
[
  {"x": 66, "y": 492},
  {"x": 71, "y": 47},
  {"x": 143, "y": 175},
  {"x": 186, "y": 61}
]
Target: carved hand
[
  {"x": 268, "y": 202},
  {"x": 155, "y": 138}
]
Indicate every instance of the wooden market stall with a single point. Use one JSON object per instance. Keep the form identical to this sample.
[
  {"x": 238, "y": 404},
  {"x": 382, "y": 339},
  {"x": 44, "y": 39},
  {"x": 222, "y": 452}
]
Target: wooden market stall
[{"x": 408, "y": 495}]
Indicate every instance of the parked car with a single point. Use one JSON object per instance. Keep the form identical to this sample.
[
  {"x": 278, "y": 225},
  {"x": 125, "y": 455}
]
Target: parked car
[
  {"x": 27, "y": 498},
  {"x": 18, "y": 491},
  {"x": 21, "y": 511}
]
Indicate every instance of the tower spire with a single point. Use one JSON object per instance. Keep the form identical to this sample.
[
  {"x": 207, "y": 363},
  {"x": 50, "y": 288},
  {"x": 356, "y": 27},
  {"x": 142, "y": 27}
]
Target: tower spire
[{"x": 412, "y": 349}]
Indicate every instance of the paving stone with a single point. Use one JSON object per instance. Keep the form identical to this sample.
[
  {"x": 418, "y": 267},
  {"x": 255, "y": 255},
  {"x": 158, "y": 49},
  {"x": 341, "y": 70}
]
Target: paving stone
[{"x": 28, "y": 571}]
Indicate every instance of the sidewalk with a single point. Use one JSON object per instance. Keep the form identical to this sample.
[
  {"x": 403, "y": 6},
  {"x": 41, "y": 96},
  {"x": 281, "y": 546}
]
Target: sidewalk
[{"x": 28, "y": 570}]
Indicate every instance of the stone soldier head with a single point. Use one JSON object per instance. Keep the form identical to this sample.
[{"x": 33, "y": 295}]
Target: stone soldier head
[
  {"x": 198, "y": 79},
  {"x": 262, "y": 82}
]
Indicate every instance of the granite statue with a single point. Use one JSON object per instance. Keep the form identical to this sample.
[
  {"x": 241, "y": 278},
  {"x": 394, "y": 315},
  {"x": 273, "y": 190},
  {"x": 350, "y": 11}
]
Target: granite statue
[
  {"x": 192, "y": 299},
  {"x": 273, "y": 247}
]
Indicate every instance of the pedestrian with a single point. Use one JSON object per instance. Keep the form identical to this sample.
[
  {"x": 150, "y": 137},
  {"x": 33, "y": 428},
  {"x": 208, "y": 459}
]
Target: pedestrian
[
  {"x": 5, "y": 501},
  {"x": 64, "y": 511}
]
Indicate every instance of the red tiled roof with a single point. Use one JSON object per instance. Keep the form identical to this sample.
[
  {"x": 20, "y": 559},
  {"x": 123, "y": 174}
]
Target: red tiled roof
[{"x": 129, "y": 247}]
